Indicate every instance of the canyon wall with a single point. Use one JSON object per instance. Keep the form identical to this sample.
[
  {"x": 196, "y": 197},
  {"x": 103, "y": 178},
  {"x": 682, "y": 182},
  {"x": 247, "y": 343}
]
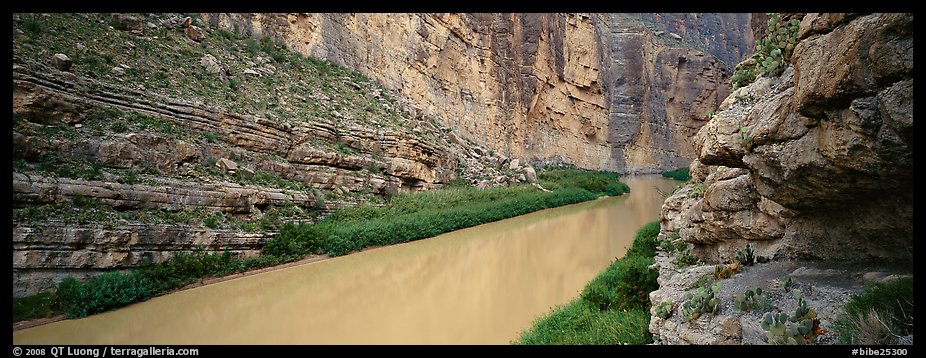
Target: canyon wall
[
  {"x": 603, "y": 91},
  {"x": 813, "y": 169}
]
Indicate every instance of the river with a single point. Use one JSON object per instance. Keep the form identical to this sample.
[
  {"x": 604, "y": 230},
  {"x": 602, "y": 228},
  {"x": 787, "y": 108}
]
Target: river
[{"x": 480, "y": 285}]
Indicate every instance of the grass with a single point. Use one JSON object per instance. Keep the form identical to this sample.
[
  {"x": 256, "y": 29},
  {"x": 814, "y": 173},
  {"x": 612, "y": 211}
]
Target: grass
[
  {"x": 55, "y": 166},
  {"x": 577, "y": 323},
  {"x": 680, "y": 174},
  {"x": 612, "y": 309},
  {"x": 878, "y": 315},
  {"x": 415, "y": 216},
  {"x": 407, "y": 217},
  {"x": 116, "y": 289},
  {"x": 598, "y": 182},
  {"x": 36, "y": 306}
]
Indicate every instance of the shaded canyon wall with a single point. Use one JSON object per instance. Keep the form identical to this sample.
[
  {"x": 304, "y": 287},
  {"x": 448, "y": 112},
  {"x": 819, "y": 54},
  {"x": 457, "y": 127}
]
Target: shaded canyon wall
[{"x": 604, "y": 91}]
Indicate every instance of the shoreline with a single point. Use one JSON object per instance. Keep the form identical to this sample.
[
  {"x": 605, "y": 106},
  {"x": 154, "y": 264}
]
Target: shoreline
[{"x": 21, "y": 325}]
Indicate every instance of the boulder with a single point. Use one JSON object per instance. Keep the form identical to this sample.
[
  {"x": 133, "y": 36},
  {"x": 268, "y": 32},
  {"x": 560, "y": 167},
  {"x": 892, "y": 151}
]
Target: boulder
[
  {"x": 61, "y": 62},
  {"x": 530, "y": 174},
  {"x": 194, "y": 33},
  {"x": 227, "y": 165},
  {"x": 126, "y": 23},
  {"x": 215, "y": 67}
]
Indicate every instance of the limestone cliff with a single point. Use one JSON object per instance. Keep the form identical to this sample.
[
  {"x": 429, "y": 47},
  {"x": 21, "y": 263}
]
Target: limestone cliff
[
  {"x": 160, "y": 135},
  {"x": 137, "y": 136},
  {"x": 812, "y": 168},
  {"x": 603, "y": 91}
]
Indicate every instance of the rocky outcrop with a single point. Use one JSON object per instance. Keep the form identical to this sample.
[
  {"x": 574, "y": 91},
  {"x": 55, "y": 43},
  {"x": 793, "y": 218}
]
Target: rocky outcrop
[
  {"x": 173, "y": 195},
  {"x": 814, "y": 165},
  {"x": 331, "y": 166},
  {"x": 601, "y": 91},
  {"x": 45, "y": 254}
]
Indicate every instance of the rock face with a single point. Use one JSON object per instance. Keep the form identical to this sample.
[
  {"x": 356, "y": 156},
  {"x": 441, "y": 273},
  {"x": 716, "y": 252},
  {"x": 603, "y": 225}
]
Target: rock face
[
  {"x": 814, "y": 165},
  {"x": 600, "y": 91},
  {"x": 366, "y": 161}
]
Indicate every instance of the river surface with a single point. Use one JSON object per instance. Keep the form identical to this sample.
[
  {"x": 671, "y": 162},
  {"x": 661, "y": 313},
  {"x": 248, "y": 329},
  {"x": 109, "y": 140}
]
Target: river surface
[{"x": 480, "y": 285}]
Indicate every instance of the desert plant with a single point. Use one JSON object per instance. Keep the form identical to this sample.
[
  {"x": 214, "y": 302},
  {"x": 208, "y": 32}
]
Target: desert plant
[
  {"x": 212, "y": 221},
  {"x": 671, "y": 243},
  {"x": 664, "y": 309},
  {"x": 745, "y": 140},
  {"x": 801, "y": 327},
  {"x": 697, "y": 191},
  {"x": 787, "y": 284},
  {"x": 752, "y": 299},
  {"x": 772, "y": 52},
  {"x": 746, "y": 256},
  {"x": 701, "y": 301},
  {"x": 683, "y": 257},
  {"x": 725, "y": 271}
]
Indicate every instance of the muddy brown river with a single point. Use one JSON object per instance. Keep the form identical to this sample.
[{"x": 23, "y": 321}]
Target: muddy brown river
[{"x": 481, "y": 285}]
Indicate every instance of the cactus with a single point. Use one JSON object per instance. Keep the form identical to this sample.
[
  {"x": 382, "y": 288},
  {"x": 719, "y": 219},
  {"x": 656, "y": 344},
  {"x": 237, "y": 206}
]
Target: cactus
[
  {"x": 752, "y": 299},
  {"x": 787, "y": 284},
  {"x": 683, "y": 257},
  {"x": 664, "y": 309},
  {"x": 745, "y": 139},
  {"x": 781, "y": 38},
  {"x": 746, "y": 256},
  {"x": 701, "y": 301},
  {"x": 801, "y": 327}
]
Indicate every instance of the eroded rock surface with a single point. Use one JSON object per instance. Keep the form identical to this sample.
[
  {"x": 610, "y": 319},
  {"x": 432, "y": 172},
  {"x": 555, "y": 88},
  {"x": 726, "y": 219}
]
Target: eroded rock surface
[{"x": 816, "y": 165}]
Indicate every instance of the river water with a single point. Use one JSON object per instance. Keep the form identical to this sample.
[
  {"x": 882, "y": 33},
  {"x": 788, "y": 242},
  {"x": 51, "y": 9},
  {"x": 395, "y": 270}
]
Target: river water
[{"x": 481, "y": 285}]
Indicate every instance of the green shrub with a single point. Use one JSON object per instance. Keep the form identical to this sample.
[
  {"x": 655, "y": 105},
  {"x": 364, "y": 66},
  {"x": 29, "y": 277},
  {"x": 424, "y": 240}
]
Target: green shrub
[
  {"x": 697, "y": 191},
  {"x": 102, "y": 293},
  {"x": 43, "y": 304},
  {"x": 680, "y": 174},
  {"x": 644, "y": 243},
  {"x": 876, "y": 315},
  {"x": 185, "y": 268},
  {"x": 745, "y": 140},
  {"x": 612, "y": 309},
  {"x": 32, "y": 24},
  {"x": 212, "y": 221},
  {"x": 416, "y": 217},
  {"x": 624, "y": 285},
  {"x": 594, "y": 181}
]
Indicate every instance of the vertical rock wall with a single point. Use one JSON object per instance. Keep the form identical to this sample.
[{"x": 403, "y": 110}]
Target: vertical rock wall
[{"x": 602, "y": 91}]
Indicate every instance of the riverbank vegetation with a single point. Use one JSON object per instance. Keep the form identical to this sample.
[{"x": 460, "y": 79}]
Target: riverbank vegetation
[
  {"x": 614, "y": 306},
  {"x": 680, "y": 174},
  {"x": 406, "y": 217},
  {"x": 880, "y": 315}
]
